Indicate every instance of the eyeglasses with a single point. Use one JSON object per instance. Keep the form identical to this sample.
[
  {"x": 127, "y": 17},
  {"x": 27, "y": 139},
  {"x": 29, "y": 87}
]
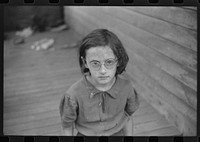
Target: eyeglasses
[{"x": 109, "y": 64}]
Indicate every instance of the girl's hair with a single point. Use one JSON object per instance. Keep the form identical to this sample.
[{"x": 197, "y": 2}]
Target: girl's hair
[{"x": 103, "y": 37}]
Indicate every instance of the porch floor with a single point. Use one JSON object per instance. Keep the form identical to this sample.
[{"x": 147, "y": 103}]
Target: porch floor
[{"x": 35, "y": 80}]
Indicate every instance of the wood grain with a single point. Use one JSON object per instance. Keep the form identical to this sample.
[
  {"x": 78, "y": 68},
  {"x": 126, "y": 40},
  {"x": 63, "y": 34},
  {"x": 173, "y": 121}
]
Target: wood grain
[{"x": 174, "y": 15}]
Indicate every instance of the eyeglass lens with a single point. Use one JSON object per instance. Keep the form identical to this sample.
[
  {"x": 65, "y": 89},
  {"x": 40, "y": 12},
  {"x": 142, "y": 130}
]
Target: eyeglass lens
[{"x": 109, "y": 64}]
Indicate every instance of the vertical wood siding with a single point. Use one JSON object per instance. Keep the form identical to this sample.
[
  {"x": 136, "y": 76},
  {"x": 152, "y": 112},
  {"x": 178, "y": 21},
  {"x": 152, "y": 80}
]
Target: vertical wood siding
[{"x": 162, "y": 46}]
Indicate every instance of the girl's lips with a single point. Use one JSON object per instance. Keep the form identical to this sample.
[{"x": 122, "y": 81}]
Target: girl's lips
[{"x": 103, "y": 77}]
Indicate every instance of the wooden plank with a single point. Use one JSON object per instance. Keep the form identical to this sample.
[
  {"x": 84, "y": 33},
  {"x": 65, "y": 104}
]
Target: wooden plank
[
  {"x": 147, "y": 116},
  {"x": 25, "y": 69},
  {"x": 35, "y": 86},
  {"x": 160, "y": 123},
  {"x": 33, "y": 124},
  {"x": 177, "y": 34},
  {"x": 40, "y": 76},
  {"x": 31, "y": 117},
  {"x": 36, "y": 89},
  {"x": 160, "y": 105},
  {"x": 24, "y": 82},
  {"x": 166, "y": 131},
  {"x": 173, "y": 114},
  {"x": 175, "y": 15},
  {"x": 40, "y": 69},
  {"x": 156, "y": 58},
  {"x": 35, "y": 96},
  {"x": 12, "y": 81},
  {"x": 11, "y": 106},
  {"x": 144, "y": 111},
  {"x": 19, "y": 70},
  {"x": 165, "y": 80},
  {"x": 37, "y": 130},
  {"x": 33, "y": 110},
  {"x": 182, "y": 121},
  {"x": 162, "y": 93},
  {"x": 190, "y": 7},
  {"x": 45, "y": 130},
  {"x": 190, "y": 127}
]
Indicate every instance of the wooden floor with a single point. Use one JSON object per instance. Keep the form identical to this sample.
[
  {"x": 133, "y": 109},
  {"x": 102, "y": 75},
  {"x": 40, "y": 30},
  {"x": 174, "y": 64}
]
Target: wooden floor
[{"x": 34, "y": 82}]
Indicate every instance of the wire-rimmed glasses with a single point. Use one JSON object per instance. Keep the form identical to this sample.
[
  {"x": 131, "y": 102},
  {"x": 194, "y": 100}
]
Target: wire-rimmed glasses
[{"x": 109, "y": 64}]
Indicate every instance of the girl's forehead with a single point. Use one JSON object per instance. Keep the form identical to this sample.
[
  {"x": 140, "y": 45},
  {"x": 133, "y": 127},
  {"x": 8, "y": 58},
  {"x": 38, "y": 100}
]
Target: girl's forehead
[{"x": 99, "y": 53}]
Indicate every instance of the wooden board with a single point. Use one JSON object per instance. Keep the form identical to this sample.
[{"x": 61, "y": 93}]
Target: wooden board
[
  {"x": 175, "y": 15},
  {"x": 177, "y": 34},
  {"x": 178, "y": 119}
]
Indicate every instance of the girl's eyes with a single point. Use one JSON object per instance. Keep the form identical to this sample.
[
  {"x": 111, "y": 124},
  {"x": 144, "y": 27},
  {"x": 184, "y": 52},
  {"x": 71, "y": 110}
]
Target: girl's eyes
[
  {"x": 109, "y": 62},
  {"x": 95, "y": 63},
  {"x": 106, "y": 62}
]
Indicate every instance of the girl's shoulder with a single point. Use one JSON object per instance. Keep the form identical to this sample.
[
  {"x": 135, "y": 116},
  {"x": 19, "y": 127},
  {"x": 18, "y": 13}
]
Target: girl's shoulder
[
  {"x": 126, "y": 79},
  {"x": 76, "y": 88}
]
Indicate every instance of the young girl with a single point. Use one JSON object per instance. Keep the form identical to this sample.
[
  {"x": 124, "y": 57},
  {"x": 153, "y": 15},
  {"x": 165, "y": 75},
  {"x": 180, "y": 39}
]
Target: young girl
[{"x": 102, "y": 101}]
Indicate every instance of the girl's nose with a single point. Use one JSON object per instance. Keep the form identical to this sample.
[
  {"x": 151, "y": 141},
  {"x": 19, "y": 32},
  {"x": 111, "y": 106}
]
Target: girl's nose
[{"x": 102, "y": 69}]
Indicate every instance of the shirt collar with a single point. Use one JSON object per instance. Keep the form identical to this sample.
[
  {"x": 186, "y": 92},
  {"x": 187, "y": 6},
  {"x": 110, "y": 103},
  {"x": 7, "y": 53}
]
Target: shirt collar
[{"x": 113, "y": 91}]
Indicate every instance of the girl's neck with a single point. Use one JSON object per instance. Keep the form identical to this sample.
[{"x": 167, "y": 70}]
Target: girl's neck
[{"x": 103, "y": 87}]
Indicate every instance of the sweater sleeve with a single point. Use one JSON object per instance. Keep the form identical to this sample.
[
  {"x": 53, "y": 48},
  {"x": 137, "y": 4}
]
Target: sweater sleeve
[
  {"x": 132, "y": 103},
  {"x": 68, "y": 110}
]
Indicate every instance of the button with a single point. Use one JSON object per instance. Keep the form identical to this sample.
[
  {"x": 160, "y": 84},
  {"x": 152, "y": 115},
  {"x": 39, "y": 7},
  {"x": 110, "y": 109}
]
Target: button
[{"x": 91, "y": 95}]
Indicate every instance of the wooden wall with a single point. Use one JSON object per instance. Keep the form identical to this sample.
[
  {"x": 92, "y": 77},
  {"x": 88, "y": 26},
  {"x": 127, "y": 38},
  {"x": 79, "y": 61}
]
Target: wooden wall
[{"x": 162, "y": 46}]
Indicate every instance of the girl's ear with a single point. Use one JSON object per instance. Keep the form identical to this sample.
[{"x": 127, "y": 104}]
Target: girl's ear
[
  {"x": 117, "y": 64},
  {"x": 84, "y": 62}
]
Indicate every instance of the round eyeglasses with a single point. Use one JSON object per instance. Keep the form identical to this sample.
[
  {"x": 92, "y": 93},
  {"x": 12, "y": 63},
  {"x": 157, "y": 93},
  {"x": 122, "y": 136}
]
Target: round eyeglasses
[{"x": 109, "y": 64}]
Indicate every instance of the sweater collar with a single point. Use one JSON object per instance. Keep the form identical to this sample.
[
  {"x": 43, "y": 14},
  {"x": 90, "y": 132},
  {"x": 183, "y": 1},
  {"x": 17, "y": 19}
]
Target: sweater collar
[{"x": 113, "y": 91}]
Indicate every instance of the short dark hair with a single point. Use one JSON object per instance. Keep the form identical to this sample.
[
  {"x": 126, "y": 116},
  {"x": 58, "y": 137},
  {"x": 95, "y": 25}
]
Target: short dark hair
[{"x": 103, "y": 37}]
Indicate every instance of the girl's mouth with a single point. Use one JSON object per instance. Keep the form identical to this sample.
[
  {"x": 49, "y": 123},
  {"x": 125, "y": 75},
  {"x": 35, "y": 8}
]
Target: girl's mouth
[{"x": 103, "y": 77}]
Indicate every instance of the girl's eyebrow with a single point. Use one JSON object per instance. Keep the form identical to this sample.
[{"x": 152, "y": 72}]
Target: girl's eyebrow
[
  {"x": 94, "y": 61},
  {"x": 110, "y": 59},
  {"x": 104, "y": 60}
]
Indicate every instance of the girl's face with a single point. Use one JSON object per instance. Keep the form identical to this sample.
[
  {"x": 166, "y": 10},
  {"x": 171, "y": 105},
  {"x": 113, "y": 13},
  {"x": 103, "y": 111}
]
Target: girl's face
[{"x": 102, "y": 64}]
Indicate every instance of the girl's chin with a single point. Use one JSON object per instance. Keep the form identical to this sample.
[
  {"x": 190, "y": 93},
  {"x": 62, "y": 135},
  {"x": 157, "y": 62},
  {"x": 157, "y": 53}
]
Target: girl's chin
[{"x": 104, "y": 81}]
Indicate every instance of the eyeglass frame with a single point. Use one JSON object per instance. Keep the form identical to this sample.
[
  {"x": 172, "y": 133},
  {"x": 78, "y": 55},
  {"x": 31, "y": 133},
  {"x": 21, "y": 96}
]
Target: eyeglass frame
[{"x": 100, "y": 64}]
